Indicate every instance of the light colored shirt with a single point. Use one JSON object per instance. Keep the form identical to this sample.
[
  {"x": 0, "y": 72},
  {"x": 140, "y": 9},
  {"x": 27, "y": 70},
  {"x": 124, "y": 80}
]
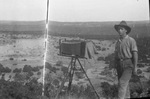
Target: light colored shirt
[{"x": 125, "y": 47}]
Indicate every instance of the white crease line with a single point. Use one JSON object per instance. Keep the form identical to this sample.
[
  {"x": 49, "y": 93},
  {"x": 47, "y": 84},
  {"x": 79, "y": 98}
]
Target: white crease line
[{"x": 46, "y": 42}]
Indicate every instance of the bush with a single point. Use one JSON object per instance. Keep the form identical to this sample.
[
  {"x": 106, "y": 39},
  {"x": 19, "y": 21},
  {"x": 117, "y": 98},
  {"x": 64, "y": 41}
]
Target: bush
[
  {"x": 59, "y": 63},
  {"x": 101, "y": 59},
  {"x": 39, "y": 73},
  {"x": 109, "y": 91},
  {"x": 27, "y": 68},
  {"x": 56, "y": 82},
  {"x": 48, "y": 66},
  {"x": 139, "y": 71},
  {"x": 40, "y": 67},
  {"x": 140, "y": 65},
  {"x": 5, "y": 70},
  {"x": 19, "y": 77},
  {"x": 30, "y": 74},
  {"x": 35, "y": 69},
  {"x": 135, "y": 89},
  {"x": 148, "y": 69},
  {"x": 24, "y": 60},
  {"x": 17, "y": 90},
  {"x": 80, "y": 75},
  {"x": 17, "y": 70},
  {"x": 64, "y": 69},
  {"x": 103, "y": 49},
  {"x": 11, "y": 58},
  {"x": 54, "y": 69},
  {"x": 1, "y": 66}
]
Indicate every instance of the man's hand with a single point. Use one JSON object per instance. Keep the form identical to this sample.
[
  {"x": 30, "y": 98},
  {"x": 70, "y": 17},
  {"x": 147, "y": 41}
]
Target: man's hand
[{"x": 135, "y": 70}]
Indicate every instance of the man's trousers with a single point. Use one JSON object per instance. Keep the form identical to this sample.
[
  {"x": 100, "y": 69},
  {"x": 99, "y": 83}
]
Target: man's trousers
[{"x": 124, "y": 71}]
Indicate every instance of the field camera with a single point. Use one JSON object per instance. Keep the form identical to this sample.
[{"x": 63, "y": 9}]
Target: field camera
[
  {"x": 75, "y": 49},
  {"x": 72, "y": 47}
]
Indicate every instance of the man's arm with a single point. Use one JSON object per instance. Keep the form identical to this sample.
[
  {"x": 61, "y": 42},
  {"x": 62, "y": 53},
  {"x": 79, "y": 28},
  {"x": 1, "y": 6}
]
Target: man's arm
[{"x": 135, "y": 61}]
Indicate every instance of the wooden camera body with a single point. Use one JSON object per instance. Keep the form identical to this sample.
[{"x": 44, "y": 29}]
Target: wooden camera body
[{"x": 76, "y": 48}]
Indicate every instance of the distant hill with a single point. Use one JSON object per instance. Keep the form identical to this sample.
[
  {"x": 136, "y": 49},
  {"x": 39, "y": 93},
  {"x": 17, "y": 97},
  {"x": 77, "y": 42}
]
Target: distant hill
[
  {"x": 22, "y": 26},
  {"x": 82, "y": 29},
  {"x": 140, "y": 28}
]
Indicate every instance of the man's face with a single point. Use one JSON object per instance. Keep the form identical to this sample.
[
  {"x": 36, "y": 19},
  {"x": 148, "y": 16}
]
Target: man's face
[{"x": 122, "y": 31}]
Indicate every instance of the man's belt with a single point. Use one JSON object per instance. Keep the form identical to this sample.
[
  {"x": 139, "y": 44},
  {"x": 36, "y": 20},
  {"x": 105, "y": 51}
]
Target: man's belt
[{"x": 123, "y": 59}]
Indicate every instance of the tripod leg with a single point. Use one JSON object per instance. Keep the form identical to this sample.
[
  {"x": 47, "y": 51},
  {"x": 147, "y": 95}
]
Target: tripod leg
[
  {"x": 71, "y": 75},
  {"x": 65, "y": 78},
  {"x": 88, "y": 79}
]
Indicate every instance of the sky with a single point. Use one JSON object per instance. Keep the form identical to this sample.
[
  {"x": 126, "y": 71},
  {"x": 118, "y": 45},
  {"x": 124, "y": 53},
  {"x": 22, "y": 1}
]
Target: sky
[
  {"x": 99, "y": 10},
  {"x": 74, "y": 10},
  {"x": 23, "y": 10}
]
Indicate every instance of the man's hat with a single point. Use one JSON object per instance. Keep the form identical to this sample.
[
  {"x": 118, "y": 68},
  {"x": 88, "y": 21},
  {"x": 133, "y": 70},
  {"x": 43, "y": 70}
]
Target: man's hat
[{"x": 123, "y": 24}]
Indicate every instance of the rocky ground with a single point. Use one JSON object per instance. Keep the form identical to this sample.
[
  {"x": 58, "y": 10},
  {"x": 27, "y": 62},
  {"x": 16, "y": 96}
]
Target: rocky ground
[
  {"x": 22, "y": 57},
  {"x": 16, "y": 53},
  {"x": 97, "y": 71}
]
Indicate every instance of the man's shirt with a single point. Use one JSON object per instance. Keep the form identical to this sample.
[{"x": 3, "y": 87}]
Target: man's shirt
[{"x": 125, "y": 47}]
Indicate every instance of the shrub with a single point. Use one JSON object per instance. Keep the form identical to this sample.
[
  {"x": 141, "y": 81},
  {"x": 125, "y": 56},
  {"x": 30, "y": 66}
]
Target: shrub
[
  {"x": 1, "y": 66},
  {"x": 39, "y": 73},
  {"x": 148, "y": 69},
  {"x": 64, "y": 69},
  {"x": 59, "y": 63},
  {"x": 24, "y": 60},
  {"x": 56, "y": 82},
  {"x": 103, "y": 49},
  {"x": 27, "y": 68},
  {"x": 11, "y": 58},
  {"x": 101, "y": 59},
  {"x": 15, "y": 64},
  {"x": 17, "y": 90},
  {"x": 135, "y": 89},
  {"x": 48, "y": 66},
  {"x": 54, "y": 69},
  {"x": 40, "y": 67},
  {"x": 35, "y": 69},
  {"x": 140, "y": 65},
  {"x": 80, "y": 75},
  {"x": 109, "y": 91},
  {"x": 29, "y": 75},
  {"x": 88, "y": 92},
  {"x": 17, "y": 70},
  {"x": 5, "y": 70},
  {"x": 139, "y": 71}
]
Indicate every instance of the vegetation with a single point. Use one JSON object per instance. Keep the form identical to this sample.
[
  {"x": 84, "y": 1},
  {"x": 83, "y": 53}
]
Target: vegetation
[
  {"x": 25, "y": 86},
  {"x": 28, "y": 68},
  {"x": 16, "y": 90},
  {"x": 4, "y": 69},
  {"x": 17, "y": 70},
  {"x": 11, "y": 58},
  {"x": 143, "y": 49},
  {"x": 109, "y": 91}
]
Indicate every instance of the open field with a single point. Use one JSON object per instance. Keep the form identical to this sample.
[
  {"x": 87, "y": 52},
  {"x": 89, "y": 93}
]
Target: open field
[{"x": 21, "y": 63}]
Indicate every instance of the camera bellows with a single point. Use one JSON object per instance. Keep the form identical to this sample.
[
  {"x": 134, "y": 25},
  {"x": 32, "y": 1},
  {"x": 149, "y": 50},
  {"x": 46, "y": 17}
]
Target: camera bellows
[{"x": 73, "y": 48}]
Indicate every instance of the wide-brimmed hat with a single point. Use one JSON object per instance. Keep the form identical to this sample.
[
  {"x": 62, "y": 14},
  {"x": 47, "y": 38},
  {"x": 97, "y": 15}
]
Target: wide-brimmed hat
[{"x": 123, "y": 24}]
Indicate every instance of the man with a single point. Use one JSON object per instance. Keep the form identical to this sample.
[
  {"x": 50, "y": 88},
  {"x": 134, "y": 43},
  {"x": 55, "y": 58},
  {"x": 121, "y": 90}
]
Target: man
[{"x": 126, "y": 58}]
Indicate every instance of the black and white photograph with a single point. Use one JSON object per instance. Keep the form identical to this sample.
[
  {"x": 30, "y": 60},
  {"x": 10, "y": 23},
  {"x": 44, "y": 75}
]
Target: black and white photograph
[
  {"x": 22, "y": 48},
  {"x": 98, "y": 49},
  {"x": 74, "y": 49}
]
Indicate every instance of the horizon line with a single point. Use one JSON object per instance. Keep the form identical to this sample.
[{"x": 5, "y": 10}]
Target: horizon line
[{"x": 65, "y": 21}]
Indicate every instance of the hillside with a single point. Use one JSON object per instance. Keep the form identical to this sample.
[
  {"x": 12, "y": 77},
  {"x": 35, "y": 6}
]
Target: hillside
[
  {"x": 22, "y": 25},
  {"x": 81, "y": 29},
  {"x": 95, "y": 28}
]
